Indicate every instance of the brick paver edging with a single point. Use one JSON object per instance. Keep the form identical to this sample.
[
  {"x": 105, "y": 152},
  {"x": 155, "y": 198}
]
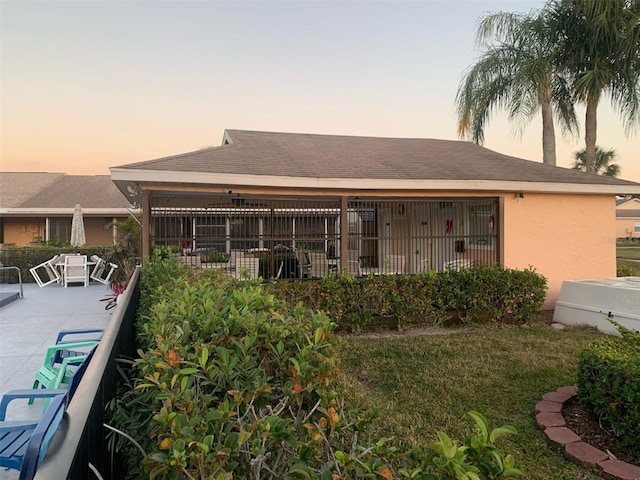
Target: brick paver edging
[{"x": 549, "y": 419}]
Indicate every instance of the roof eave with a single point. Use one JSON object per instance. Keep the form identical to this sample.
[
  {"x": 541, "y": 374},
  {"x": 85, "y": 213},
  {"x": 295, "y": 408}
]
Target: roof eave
[
  {"x": 124, "y": 176},
  {"x": 43, "y": 212}
]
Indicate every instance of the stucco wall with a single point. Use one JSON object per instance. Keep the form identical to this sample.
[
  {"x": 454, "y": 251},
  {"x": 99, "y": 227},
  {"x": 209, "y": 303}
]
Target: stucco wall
[
  {"x": 95, "y": 231},
  {"x": 625, "y": 227},
  {"x": 562, "y": 236},
  {"x": 21, "y": 231}
]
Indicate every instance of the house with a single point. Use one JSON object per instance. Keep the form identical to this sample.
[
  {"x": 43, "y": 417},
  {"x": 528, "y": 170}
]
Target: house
[
  {"x": 38, "y": 206},
  {"x": 628, "y": 218},
  {"x": 415, "y": 204}
]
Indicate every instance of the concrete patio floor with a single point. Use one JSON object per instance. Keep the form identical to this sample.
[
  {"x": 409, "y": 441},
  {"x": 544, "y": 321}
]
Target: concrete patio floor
[{"x": 28, "y": 325}]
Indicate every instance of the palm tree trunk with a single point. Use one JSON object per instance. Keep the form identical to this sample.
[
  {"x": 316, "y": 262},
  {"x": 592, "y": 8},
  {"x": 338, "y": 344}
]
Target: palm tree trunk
[
  {"x": 590, "y": 131},
  {"x": 548, "y": 132}
]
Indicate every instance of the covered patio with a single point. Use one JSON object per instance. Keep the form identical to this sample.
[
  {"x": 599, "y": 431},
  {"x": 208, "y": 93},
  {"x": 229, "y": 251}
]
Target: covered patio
[
  {"x": 365, "y": 205},
  {"x": 401, "y": 236}
]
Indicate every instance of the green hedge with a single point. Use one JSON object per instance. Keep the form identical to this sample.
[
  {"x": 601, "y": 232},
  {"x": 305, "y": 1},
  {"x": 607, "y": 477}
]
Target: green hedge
[
  {"x": 27, "y": 257},
  {"x": 231, "y": 382},
  {"x": 609, "y": 384},
  {"x": 431, "y": 298}
]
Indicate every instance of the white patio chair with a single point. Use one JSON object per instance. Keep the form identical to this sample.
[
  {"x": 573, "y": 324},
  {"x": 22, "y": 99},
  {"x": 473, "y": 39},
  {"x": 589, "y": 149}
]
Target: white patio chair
[
  {"x": 103, "y": 270},
  {"x": 319, "y": 264},
  {"x": 75, "y": 270},
  {"x": 47, "y": 268},
  {"x": 303, "y": 264}
]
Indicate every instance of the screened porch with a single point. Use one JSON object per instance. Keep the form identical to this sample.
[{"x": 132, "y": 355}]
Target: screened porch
[{"x": 312, "y": 237}]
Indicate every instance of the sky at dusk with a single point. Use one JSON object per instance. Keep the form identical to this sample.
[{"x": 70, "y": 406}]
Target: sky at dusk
[{"x": 94, "y": 84}]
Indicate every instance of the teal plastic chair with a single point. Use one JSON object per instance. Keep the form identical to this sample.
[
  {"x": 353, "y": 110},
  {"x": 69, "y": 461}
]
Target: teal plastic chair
[{"x": 51, "y": 374}]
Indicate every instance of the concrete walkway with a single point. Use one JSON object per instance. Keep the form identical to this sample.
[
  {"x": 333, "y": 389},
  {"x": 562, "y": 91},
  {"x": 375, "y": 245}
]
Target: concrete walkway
[{"x": 30, "y": 324}]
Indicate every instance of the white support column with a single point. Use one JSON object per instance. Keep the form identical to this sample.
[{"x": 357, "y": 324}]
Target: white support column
[
  {"x": 47, "y": 229},
  {"x": 114, "y": 230}
]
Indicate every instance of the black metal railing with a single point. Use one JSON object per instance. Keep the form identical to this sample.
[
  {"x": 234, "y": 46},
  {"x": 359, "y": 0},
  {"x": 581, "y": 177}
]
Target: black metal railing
[{"x": 80, "y": 445}]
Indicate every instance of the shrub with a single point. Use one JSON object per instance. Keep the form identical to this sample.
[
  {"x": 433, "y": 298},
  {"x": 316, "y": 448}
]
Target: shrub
[
  {"x": 431, "y": 298},
  {"x": 624, "y": 271},
  {"x": 233, "y": 383},
  {"x": 609, "y": 384},
  {"x": 215, "y": 257}
]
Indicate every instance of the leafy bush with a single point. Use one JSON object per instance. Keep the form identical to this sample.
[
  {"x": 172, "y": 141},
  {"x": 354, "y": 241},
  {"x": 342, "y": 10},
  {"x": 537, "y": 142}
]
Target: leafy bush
[
  {"x": 233, "y": 383},
  {"x": 430, "y": 298},
  {"x": 624, "y": 271},
  {"x": 609, "y": 384},
  {"x": 215, "y": 257}
]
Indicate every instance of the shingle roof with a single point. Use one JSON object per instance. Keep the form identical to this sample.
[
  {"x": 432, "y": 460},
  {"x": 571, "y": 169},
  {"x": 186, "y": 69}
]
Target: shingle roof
[
  {"x": 17, "y": 187},
  {"x": 334, "y": 156},
  {"x": 622, "y": 201},
  {"x": 59, "y": 190},
  {"x": 620, "y": 213}
]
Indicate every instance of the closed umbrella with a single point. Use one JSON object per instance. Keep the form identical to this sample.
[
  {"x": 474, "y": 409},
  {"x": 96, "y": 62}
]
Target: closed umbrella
[{"x": 78, "y": 237}]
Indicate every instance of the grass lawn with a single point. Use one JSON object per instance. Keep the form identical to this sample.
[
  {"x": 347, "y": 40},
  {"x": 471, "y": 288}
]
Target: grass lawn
[
  {"x": 628, "y": 252},
  {"x": 633, "y": 253},
  {"x": 635, "y": 266},
  {"x": 422, "y": 384}
]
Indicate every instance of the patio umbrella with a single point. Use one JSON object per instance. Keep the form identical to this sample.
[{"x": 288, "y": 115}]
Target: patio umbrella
[{"x": 77, "y": 228}]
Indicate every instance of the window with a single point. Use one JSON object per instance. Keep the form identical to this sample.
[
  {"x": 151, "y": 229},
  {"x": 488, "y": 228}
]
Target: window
[{"x": 637, "y": 227}]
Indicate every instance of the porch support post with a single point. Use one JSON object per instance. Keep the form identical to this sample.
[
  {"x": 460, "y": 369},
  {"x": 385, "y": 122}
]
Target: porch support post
[
  {"x": 344, "y": 233},
  {"x": 146, "y": 225},
  {"x": 47, "y": 229}
]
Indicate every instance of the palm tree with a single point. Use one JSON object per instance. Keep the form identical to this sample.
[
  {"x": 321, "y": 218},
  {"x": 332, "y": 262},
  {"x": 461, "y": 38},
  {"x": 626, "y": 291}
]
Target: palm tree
[
  {"x": 603, "y": 162},
  {"x": 600, "y": 49},
  {"x": 516, "y": 73}
]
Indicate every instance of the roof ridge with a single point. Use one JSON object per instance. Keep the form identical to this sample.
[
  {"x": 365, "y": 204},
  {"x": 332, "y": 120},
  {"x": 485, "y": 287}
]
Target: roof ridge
[
  {"x": 338, "y": 135},
  {"x": 176, "y": 156}
]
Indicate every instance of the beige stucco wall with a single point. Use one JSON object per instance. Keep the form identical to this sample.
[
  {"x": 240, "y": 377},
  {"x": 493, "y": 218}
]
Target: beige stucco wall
[
  {"x": 95, "y": 231},
  {"x": 625, "y": 227},
  {"x": 632, "y": 204},
  {"x": 23, "y": 230},
  {"x": 562, "y": 236}
]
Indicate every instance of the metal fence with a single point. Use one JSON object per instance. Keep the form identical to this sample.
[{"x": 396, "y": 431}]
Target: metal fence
[
  {"x": 396, "y": 236},
  {"x": 80, "y": 444}
]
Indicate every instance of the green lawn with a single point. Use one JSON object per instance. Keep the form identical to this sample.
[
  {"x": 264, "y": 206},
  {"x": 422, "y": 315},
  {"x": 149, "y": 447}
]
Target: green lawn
[
  {"x": 628, "y": 252},
  {"x": 626, "y": 256},
  {"x": 426, "y": 383}
]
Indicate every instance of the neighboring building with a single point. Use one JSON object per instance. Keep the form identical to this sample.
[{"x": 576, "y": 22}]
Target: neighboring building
[
  {"x": 419, "y": 203},
  {"x": 37, "y": 207},
  {"x": 628, "y": 218}
]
